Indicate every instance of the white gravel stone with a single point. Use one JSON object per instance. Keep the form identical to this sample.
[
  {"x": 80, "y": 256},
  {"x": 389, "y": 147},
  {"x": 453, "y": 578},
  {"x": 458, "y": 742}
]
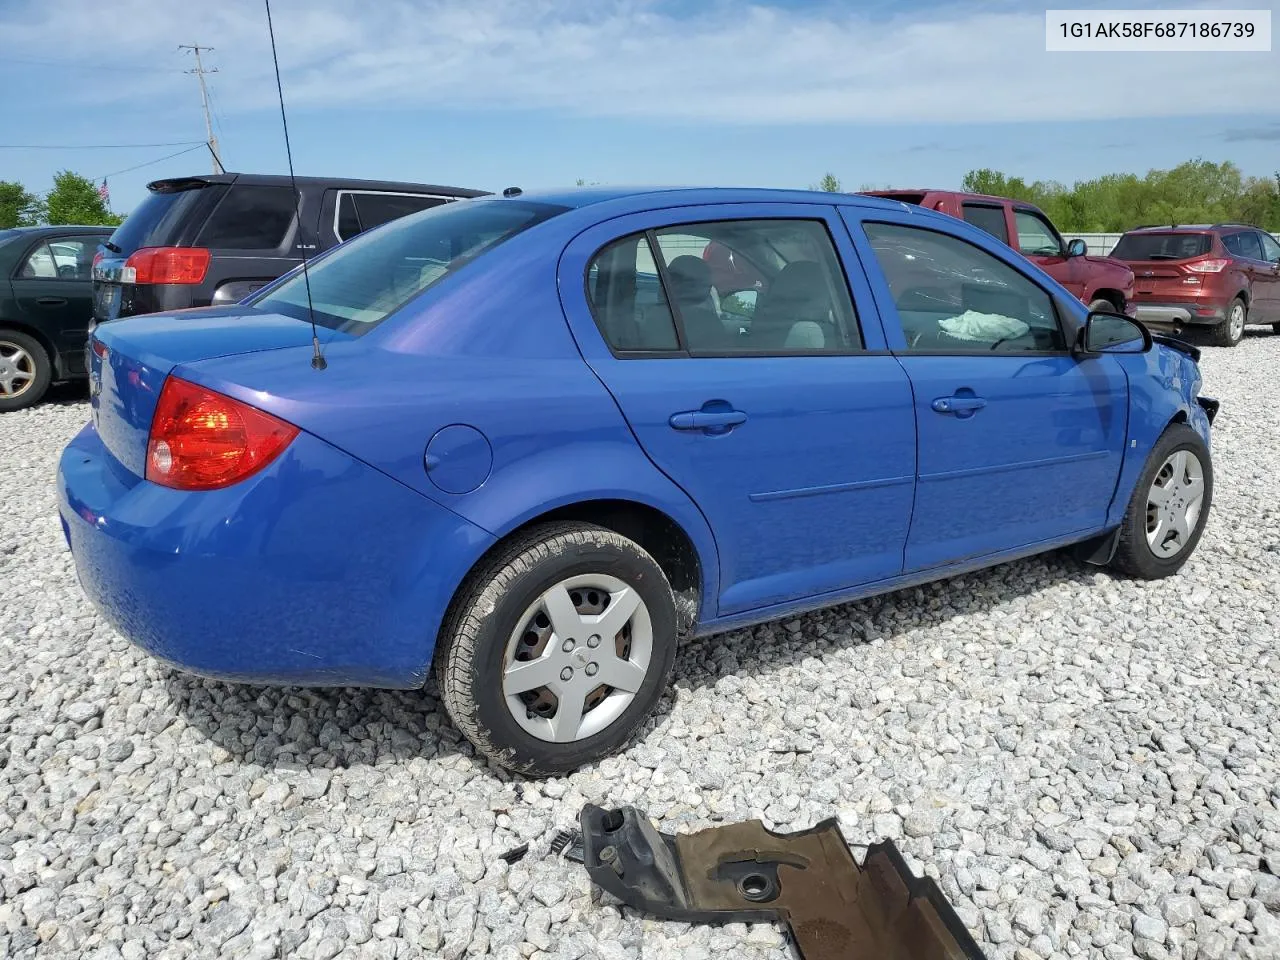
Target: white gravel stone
[{"x": 1087, "y": 765}]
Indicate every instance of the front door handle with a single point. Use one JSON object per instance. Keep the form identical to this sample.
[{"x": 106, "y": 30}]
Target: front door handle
[
  {"x": 51, "y": 301},
  {"x": 960, "y": 406},
  {"x": 717, "y": 420}
]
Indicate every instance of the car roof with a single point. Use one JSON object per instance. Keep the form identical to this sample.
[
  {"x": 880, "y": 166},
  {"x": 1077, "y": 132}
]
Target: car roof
[
  {"x": 72, "y": 230},
  {"x": 582, "y": 197},
  {"x": 283, "y": 180},
  {"x": 1191, "y": 227}
]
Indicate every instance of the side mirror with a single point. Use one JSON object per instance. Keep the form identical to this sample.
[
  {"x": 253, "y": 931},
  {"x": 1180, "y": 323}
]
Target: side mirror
[
  {"x": 1077, "y": 248},
  {"x": 1105, "y": 332}
]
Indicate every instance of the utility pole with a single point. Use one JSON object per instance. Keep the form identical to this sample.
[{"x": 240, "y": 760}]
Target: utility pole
[{"x": 200, "y": 71}]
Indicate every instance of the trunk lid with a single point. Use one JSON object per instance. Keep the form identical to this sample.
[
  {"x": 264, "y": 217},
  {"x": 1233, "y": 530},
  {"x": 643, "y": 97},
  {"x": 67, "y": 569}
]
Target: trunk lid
[{"x": 130, "y": 360}]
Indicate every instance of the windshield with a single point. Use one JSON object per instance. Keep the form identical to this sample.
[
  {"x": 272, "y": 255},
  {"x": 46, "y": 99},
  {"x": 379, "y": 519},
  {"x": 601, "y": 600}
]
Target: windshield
[
  {"x": 369, "y": 277},
  {"x": 1161, "y": 246}
]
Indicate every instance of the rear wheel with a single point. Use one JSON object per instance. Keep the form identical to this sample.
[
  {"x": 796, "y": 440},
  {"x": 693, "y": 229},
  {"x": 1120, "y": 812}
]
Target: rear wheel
[
  {"x": 1231, "y": 330},
  {"x": 25, "y": 370},
  {"x": 1169, "y": 506},
  {"x": 557, "y": 650}
]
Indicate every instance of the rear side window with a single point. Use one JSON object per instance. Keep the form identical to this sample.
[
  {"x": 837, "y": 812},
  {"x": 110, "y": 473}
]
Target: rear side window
[
  {"x": 365, "y": 280},
  {"x": 733, "y": 288},
  {"x": 249, "y": 218},
  {"x": 988, "y": 218},
  {"x": 376, "y": 208},
  {"x": 627, "y": 298},
  {"x": 1162, "y": 246},
  {"x": 1243, "y": 245}
]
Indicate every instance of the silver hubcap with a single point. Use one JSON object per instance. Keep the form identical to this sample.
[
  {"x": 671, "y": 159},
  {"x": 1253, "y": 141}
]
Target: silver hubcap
[
  {"x": 1237, "y": 321},
  {"x": 1173, "y": 504},
  {"x": 17, "y": 370},
  {"x": 578, "y": 658}
]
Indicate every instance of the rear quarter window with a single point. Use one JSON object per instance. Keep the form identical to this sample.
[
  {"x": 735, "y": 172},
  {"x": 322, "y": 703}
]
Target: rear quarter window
[
  {"x": 986, "y": 217},
  {"x": 249, "y": 218}
]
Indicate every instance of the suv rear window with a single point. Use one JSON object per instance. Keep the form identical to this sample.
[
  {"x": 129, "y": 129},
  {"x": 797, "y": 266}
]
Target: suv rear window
[
  {"x": 249, "y": 218},
  {"x": 1162, "y": 246},
  {"x": 157, "y": 219},
  {"x": 369, "y": 277}
]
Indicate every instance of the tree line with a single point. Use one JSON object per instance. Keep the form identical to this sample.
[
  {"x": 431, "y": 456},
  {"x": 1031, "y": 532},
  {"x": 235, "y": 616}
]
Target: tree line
[
  {"x": 73, "y": 200},
  {"x": 1197, "y": 191}
]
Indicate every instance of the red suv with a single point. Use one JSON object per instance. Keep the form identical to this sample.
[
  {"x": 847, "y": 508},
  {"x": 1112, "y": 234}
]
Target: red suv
[
  {"x": 1221, "y": 277},
  {"x": 1101, "y": 282}
]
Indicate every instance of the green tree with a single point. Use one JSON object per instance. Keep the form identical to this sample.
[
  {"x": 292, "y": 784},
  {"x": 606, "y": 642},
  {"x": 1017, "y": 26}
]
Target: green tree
[
  {"x": 1197, "y": 191},
  {"x": 829, "y": 183},
  {"x": 18, "y": 207},
  {"x": 74, "y": 199}
]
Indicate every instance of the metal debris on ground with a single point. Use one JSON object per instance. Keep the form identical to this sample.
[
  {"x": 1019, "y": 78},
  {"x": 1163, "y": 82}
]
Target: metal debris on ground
[{"x": 834, "y": 907}]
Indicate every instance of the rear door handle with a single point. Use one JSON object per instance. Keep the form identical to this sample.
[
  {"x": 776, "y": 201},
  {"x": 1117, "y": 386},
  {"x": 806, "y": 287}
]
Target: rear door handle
[
  {"x": 707, "y": 419},
  {"x": 51, "y": 301},
  {"x": 960, "y": 406}
]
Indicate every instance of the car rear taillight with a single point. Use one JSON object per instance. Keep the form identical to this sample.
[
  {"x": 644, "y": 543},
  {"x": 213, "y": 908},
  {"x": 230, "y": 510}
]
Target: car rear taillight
[
  {"x": 166, "y": 265},
  {"x": 203, "y": 440},
  {"x": 1212, "y": 265},
  {"x": 97, "y": 258},
  {"x": 99, "y": 348}
]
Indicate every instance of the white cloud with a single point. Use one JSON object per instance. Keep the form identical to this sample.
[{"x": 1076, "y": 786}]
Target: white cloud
[{"x": 635, "y": 59}]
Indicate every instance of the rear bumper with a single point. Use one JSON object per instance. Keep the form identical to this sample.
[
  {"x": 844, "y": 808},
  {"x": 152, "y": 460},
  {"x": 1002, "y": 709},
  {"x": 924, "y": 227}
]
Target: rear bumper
[
  {"x": 1180, "y": 314},
  {"x": 318, "y": 571}
]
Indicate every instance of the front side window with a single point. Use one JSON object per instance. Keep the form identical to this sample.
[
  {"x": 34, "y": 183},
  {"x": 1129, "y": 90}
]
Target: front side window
[
  {"x": 953, "y": 297},
  {"x": 1270, "y": 249},
  {"x": 1035, "y": 236},
  {"x": 368, "y": 278},
  {"x": 988, "y": 218}
]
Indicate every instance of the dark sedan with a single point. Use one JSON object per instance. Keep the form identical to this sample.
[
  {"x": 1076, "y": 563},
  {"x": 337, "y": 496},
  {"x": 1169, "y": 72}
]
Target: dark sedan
[{"x": 46, "y": 289}]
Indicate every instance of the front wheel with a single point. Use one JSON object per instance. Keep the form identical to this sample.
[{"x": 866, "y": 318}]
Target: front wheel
[
  {"x": 556, "y": 650},
  {"x": 1169, "y": 507},
  {"x": 1104, "y": 305},
  {"x": 25, "y": 370}
]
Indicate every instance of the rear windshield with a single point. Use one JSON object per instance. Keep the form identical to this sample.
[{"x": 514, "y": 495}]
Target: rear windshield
[
  {"x": 1162, "y": 246},
  {"x": 155, "y": 221},
  {"x": 367, "y": 278}
]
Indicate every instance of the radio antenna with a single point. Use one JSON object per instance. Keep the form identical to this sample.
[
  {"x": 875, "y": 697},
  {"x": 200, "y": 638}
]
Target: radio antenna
[{"x": 317, "y": 358}]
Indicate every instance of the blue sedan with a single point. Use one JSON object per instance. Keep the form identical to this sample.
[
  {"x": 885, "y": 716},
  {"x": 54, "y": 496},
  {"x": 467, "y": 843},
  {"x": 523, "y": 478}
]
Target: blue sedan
[{"x": 537, "y": 440}]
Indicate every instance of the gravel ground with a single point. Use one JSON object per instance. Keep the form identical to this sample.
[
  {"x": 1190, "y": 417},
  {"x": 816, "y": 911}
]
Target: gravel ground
[{"x": 1089, "y": 766}]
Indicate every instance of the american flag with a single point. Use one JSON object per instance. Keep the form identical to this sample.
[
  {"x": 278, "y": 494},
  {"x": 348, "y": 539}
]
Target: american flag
[{"x": 104, "y": 193}]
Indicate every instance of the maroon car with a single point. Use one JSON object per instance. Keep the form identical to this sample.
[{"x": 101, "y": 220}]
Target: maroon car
[
  {"x": 1217, "y": 277},
  {"x": 1102, "y": 282}
]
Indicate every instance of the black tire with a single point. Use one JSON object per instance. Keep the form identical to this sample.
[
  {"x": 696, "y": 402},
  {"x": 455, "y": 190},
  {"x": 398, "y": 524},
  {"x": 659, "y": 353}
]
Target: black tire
[
  {"x": 1134, "y": 556},
  {"x": 1275, "y": 328},
  {"x": 470, "y": 658},
  {"x": 42, "y": 369},
  {"x": 1102, "y": 303},
  {"x": 1222, "y": 335}
]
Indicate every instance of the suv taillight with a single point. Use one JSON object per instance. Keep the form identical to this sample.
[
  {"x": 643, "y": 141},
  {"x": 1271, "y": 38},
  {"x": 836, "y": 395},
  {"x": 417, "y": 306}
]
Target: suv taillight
[
  {"x": 166, "y": 265},
  {"x": 1212, "y": 265},
  {"x": 203, "y": 440}
]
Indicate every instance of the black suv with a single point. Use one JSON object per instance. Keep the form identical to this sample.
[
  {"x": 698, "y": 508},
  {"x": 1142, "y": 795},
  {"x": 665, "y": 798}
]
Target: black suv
[{"x": 196, "y": 241}]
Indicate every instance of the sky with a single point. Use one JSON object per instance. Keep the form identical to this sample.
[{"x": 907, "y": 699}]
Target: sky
[{"x": 540, "y": 93}]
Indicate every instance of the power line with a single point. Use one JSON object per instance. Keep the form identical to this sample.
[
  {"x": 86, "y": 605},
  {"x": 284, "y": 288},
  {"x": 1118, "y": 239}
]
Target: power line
[
  {"x": 149, "y": 163},
  {"x": 81, "y": 65},
  {"x": 94, "y": 146}
]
